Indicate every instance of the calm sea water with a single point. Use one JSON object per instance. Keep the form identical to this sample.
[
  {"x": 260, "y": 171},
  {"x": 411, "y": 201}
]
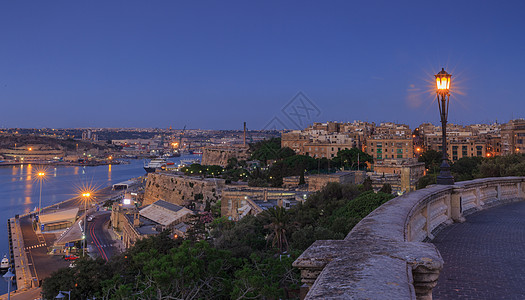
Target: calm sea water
[{"x": 19, "y": 188}]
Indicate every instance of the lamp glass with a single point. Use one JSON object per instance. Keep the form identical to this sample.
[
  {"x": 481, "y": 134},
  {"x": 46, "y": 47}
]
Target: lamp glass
[{"x": 443, "y": 80}]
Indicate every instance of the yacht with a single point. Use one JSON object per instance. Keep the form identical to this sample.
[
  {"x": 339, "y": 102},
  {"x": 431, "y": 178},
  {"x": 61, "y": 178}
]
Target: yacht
[
  {"x": 156, "y": 163},
  {"x": 4, "y": 264}
]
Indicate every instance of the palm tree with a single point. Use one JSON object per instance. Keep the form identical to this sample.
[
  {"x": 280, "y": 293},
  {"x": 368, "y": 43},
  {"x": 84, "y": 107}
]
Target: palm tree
[{"x": 277, "y": 220}]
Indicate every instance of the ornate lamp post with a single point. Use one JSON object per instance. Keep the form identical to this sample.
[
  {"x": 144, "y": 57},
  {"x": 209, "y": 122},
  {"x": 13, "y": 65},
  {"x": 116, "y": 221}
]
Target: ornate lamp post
[
  {"x": 86, "y": 198},
  {"x": 443, "y": 96},
  {"x": 41, "y": 176},
  {"x": 8, "y": 276},
  {"x": 61, "y": 295}
]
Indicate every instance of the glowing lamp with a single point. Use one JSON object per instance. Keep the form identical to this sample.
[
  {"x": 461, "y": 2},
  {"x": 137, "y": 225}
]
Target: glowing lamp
[
  {"x": 86, "y": 195},
  {"x": 41, "y": 174},
  {"x": 127, "y": 201},
  {"x": 443, "y": 81}
]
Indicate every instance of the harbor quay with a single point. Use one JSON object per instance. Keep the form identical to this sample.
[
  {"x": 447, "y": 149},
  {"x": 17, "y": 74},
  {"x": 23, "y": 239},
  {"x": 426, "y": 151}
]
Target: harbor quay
[{"x": 37, "y": 249}]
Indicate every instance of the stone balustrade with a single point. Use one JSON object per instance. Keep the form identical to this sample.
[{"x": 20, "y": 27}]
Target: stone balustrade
[{"x": 387, "y": 254}]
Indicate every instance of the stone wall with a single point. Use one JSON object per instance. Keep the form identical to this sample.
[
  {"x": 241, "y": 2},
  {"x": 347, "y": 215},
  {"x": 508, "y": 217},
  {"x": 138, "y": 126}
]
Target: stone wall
[
  {"x": 182, "y": 190},
  {"x": 219, "y": 155},
  {"x": 386, "y": 255},
  {"x": 235, "y": 198},
  {"x": 317, "y": 182}
]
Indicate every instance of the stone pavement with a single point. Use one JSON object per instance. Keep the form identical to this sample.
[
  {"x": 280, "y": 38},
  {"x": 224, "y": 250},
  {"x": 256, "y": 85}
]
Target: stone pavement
[{"x": 485, "y": 256}]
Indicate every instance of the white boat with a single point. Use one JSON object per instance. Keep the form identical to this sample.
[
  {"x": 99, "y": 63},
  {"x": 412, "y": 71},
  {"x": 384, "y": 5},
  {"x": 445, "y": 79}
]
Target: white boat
[
  {"x": 152, "y": 165},
  {"x": 4, "y": 264}
]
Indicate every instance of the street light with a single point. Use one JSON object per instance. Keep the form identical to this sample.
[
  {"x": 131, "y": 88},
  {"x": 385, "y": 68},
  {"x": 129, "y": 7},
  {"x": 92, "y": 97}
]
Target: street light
[
  {"x": 87, "y": 197},
  {"x": 61, "y": 296},
  {"x": 41, "y": 176},
  {"x": 8, "y": 276},
  {"x": 443, "y": 80}
]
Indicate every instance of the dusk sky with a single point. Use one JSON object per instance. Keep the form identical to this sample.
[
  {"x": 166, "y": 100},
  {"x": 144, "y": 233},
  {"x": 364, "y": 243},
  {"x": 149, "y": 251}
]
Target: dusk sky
[{"x": 215, "y": 64}]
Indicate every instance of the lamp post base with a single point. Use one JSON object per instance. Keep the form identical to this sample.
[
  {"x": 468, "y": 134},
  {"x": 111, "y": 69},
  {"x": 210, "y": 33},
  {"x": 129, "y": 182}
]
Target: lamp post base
[{"x": 445, "y": 177}]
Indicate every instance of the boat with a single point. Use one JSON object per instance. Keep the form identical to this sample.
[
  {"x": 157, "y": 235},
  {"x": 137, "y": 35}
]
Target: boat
[
  {"x": 198, "y": 152},
  {"x": 154, "y": 164},
  {"x": 4, "y": 264}
]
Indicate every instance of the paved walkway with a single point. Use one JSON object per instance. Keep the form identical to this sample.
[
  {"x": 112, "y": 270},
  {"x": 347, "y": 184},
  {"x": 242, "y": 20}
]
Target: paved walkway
[{"x": 485, "y": 256}]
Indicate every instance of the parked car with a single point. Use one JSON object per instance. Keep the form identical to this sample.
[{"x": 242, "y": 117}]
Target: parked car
[
  {"x": 70, "y": 257},
  {"x": 90, "y": 218}
]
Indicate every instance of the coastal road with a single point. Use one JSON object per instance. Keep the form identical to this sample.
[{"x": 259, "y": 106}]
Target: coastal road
[{"x": 99, "y": 238}]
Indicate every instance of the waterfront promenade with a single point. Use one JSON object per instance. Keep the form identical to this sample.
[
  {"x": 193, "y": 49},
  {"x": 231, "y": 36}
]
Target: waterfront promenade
[{"x": 484, "y": 256}]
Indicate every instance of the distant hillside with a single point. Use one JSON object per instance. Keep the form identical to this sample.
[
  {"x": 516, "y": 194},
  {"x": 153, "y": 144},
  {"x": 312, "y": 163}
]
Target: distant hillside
[{"x": 8, "y": 141}]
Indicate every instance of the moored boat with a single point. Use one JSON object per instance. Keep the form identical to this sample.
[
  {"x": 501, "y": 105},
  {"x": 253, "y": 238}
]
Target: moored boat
[
  {"x": 4, "y": 264},
  {"x": 154, "y": 164}
]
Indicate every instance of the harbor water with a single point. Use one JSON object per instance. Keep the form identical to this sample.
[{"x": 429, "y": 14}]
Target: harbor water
[{"x": 20, "y": 188}]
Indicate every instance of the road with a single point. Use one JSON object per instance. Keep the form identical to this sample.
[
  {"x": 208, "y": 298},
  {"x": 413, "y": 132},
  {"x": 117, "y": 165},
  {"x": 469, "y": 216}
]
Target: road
[
  {"x": 36, "y": 245},
  {"x": 99, "y": 238}
]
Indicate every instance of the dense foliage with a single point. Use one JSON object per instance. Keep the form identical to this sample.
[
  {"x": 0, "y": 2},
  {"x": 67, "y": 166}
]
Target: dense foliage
[
  {"x": 468, "y": 168},
  {"x": 248, "y": 259}
]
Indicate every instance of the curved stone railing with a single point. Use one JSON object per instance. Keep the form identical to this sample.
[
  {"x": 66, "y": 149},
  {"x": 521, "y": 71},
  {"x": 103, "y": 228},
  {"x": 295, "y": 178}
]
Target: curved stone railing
[{"x": 386, "y": 255}]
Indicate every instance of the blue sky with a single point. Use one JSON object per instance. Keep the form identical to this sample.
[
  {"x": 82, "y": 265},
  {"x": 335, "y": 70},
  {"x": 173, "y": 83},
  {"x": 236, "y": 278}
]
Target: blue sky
[{"x": 215, "y": 64}]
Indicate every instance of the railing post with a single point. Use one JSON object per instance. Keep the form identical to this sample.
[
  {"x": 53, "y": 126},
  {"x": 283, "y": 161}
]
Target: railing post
[
  {"x": 478, "y": 198},
  {"x": 455, "y": 205},
  {"x": 498, "y": 188},
  {"x": 428, "y": 216}
]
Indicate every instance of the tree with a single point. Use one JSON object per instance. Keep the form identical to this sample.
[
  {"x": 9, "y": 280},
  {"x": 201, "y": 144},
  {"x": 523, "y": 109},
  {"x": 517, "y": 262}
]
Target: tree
[
  {"x": 367, "y": 184},
  {"x": 352, "y": 159},
  {"x": 270, "y": 150},
  {"x": 232, "y": 163},
  {"x": 426, "y": 180},
  {"x": 301, "y": 179},
  {"x": 432, "y": 160},
  {"x": 466, "y": 168},
  {"x": 386, "y": 188},
  {"x": 277, "y": 221}
]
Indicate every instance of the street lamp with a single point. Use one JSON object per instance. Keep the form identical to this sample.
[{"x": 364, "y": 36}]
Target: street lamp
[
  {"x": 87, "y": 197},
  {"x": 41, "y": 176},
  {"x": 8, "y": 276},
  {"x": 443, "y": 96},
  {"x": 61, "y": 296}
]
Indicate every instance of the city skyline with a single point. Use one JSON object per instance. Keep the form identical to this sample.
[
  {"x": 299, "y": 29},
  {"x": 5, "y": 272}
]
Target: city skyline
[{"x": 213, "y": 66}]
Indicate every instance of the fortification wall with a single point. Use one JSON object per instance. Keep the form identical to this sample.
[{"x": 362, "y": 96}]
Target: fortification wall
[
  {"x": 182, "y": 190},
  {"x": 219, "y": 155}
]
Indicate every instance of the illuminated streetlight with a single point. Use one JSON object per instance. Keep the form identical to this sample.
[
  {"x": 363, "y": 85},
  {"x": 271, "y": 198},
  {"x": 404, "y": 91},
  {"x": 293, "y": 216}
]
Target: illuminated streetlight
[
  {"x": 86, "y": 197},
  {"x": 443, "y": 80},
  {"x": 41, "y": 176}
]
